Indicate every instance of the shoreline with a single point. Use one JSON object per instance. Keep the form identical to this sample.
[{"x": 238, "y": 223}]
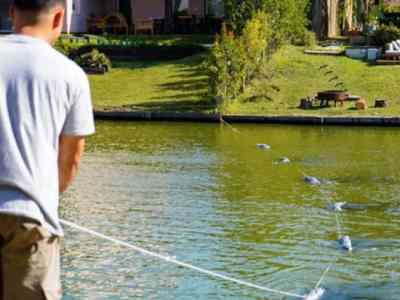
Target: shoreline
[{"x": 249, "y": 119}]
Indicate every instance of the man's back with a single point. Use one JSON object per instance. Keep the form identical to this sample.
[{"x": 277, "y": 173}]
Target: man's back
[
  {"x": 45, "y": 112},
  {"x": 42, "y": 93}
]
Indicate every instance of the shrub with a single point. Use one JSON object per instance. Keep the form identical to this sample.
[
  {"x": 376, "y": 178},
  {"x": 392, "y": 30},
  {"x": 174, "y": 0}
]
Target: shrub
[
  {"x": 309, "y": 40},
  {"x": 225, "y": 66},
  {"x": 255, "y": 40},
  {"x": 66, "y": 47},
  {"x": 288, "y": 17},
  {"x": 94, "y": 60},
  {"x": 391, "y": 18},
  {"x": 385, "y": 34},
  {"x": 235, "y": 62}
]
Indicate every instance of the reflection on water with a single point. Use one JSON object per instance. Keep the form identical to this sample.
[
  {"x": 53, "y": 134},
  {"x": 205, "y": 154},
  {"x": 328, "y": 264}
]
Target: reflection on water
[{"x": 206, "y": 195}]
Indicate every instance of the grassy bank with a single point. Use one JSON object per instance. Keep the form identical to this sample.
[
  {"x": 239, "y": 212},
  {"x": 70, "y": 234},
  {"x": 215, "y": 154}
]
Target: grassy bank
[
  {"x": 182, "y": 86},
  {"x": 178, "y": 85},
  {"x": 299, "y": 75}
]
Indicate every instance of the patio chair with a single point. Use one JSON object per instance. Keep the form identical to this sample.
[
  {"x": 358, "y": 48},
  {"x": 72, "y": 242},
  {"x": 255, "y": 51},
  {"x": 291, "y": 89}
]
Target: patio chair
[
  {"x": 116, "y": 22},
  {"x": 144, "y": 25},
  {"x": 96, "y": 24}
]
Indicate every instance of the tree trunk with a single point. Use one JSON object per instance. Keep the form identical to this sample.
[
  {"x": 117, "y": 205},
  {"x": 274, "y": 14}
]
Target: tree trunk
[
  {"x": 319, "y": 18},
  {"x": 366, "y": 9},
  {"x": 332, "y": 18},
  {"x": 348, "y": 15}
]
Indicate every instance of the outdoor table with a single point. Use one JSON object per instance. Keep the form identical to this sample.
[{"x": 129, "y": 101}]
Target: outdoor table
[
  {"x": 325, "y": 102},
  {"x": 331, "y": 96}
]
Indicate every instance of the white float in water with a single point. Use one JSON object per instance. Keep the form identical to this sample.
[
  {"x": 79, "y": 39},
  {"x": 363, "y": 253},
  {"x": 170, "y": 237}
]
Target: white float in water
[
  {"x": 263, "y": 146},
  {"x": 312, "y": 180},
  {"x": 315, "y": 294},
  {"x": 345, "y": 243},
  {"x": 284, "y": 160},
  {"x": 337, "y": 207}
]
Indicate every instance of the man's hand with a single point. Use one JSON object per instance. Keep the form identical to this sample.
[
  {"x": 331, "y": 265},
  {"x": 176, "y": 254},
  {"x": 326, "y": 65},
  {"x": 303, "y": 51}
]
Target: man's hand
[{"x": 69, "y": 156}]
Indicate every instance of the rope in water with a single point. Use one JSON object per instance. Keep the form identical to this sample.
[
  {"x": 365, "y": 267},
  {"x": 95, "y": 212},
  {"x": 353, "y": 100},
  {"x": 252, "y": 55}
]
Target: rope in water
[
  {"x": 190, "y": 266},
  {"x": 178, "y": 263},
  {"x": 338, "y": 227},
  {"x": 324, "y": 274}
]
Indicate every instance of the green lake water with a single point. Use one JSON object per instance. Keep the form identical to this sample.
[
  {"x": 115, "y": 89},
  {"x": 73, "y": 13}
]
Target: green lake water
[{"x": 204, "y": 194}]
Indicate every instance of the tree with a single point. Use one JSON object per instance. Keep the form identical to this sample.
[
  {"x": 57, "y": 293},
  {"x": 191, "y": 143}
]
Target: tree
[
  {"x": 333, "y": 6},
  {"x": 320, "y": 18},
  {"x": 288, "y": 17},
  {"x": 348, "y": 15}
]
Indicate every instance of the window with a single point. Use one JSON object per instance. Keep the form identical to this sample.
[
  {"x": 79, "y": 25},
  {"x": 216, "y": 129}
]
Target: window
[{"x": 183, "y": 5}]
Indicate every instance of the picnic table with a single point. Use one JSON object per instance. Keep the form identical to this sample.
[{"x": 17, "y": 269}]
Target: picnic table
[{"x": 324, "y": 98}]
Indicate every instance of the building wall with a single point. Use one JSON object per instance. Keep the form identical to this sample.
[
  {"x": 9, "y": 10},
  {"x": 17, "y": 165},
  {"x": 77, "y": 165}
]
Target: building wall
[
  {"x": 85, "y": 8},
  {"x": 141, "y": 9},
  {"x": 392, "y": 2},
  {"x": 196, "y": 7},
  {"x": 148, "y": 9}
]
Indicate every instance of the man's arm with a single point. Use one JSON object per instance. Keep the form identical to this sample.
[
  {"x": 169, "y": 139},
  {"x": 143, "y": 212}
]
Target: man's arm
[{"x": 70, "y": 152}]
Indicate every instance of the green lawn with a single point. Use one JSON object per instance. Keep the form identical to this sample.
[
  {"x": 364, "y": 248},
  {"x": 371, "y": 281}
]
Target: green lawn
[
  {"x": 174, "y": 85},
  {"x": 300, "y": 75},
  {"x": 181, "y": 85}
]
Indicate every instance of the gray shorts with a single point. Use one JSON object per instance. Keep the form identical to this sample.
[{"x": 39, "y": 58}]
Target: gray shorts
[{"x": 29, "y": 261}]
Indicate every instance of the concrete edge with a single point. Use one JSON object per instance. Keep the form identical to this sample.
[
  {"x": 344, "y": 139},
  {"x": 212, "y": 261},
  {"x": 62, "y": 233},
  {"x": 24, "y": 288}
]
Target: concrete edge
[
  {"x": 325, "y": 52},
  {"x": 214, "y": 118}
]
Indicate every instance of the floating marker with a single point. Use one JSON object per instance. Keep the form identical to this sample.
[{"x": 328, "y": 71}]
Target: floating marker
[
  {"x": 337, "y": 207},
  {"x": 312, "y": 180},
  {"x": 284, "y": 160},
  {"x": 315, "y": 294},
  {"x": 345, "y": 243},
  {"x": 263, "y": 146}
]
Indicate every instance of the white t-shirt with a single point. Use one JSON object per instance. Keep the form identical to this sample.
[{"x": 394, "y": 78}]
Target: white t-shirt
[{"x": 43, "y": 95}]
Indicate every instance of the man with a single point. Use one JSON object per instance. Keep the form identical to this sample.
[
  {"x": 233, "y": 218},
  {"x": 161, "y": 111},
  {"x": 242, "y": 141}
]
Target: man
[{"x": 45, "y": 112}]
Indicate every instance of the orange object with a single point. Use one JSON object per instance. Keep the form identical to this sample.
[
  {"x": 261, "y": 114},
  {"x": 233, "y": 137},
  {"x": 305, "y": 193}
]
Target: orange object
[{"x": 361, "y": 104}]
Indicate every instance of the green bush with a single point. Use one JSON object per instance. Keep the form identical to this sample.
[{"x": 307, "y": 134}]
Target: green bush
[
  {"x": 385, "y": 34},
  {"x": 225, "y": 66},
  {"x": 256, "y": 40},
  {"x": 235, "y": 61},
  {"x": 95, "y": 60},
  {"x": 288, "y": 17},
  {"x": 66, "y": 47},
  {"x": 309, "y": 40}
]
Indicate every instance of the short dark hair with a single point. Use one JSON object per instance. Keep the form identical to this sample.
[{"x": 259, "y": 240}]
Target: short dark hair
[{"x": 37, "y": 5}]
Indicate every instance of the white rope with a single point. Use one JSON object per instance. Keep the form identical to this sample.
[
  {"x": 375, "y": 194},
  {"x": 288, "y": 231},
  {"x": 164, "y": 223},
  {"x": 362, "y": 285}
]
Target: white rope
[
  {"x": 338, "y": 226},
  {"x": 230, "y": 126},
  {"x": 178, "y": 263},
  {"x": 324, "y": 275}
]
